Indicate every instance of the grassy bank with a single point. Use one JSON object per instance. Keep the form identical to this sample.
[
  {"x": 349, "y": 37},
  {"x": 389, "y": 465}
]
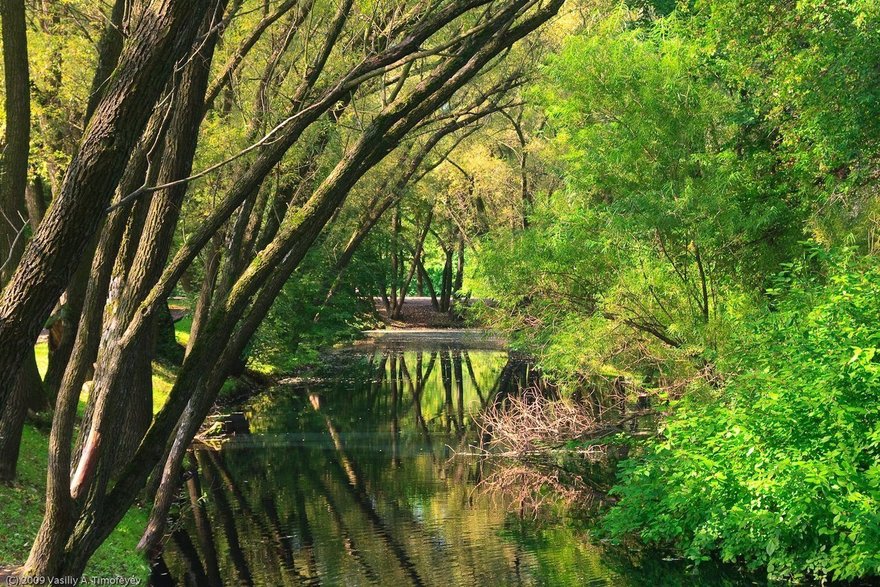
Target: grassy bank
[{"x": 22, "y": 503}]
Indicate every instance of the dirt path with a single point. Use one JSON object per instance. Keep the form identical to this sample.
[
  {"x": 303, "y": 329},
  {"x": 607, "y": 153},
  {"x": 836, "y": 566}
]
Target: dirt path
[{"x": 418, "y": 313}]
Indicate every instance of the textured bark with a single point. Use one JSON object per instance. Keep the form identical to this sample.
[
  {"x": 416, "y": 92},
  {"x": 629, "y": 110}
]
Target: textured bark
[
  {"x": 52, "y": 254},
  {"x": 109, "y": 50},
  {"x": 12, "y": 421},
  {"x": 14, "y": 215},
  {"x": 13, "y": 171},
  {"x": 153, "y": 247},
  {"x": 35, "y": 201},
  {"x": 163, "y": 35}
]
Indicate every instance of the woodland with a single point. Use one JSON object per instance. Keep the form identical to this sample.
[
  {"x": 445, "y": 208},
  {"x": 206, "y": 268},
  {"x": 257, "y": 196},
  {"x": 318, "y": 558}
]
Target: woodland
[{"x": 670, "y": 206}]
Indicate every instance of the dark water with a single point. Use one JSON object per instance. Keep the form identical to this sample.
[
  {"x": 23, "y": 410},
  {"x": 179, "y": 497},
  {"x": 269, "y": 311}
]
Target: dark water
[{"x": 358, "y": 480}]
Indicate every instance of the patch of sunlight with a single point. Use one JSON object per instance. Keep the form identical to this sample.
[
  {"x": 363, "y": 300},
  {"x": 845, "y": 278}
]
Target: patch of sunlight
[
  {"x": 182, "y": 328},
  {"x": 163, "y": 381},
  {"x": 41, "y": 352}
]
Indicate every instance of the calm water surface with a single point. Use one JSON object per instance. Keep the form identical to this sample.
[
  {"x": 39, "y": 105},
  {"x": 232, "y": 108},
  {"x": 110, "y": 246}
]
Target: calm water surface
[{"x": 356, "y": 481}]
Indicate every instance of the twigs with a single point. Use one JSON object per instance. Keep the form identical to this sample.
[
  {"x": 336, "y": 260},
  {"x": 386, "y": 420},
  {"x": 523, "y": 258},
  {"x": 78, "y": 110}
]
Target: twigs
[{"x": 548, "y": 449}]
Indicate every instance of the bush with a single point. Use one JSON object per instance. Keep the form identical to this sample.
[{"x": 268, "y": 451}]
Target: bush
[{"x": 781, "y": 465}]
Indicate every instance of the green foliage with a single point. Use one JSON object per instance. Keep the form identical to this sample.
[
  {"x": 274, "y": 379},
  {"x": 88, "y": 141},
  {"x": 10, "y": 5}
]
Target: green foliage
[
  {"x": 699, "y": 147},
  {"x": 778, "y": 467},
  {"x": 300, "y": 324}
]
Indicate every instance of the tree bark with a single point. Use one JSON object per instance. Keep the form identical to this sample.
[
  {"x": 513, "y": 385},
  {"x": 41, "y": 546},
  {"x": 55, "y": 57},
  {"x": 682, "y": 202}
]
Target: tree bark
[
  {"x": 164, "y": 33},
  {"x": 12, "y": 421},
  {"x": 13, "y": 180},
  {"x": 50, "y": 258}
]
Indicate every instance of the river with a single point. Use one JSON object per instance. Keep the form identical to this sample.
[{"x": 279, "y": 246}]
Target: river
[{"x": 359, "y": 479}]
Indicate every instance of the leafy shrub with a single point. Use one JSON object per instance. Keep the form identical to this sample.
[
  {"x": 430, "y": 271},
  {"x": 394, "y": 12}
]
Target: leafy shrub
[{"x": 780, "y": 466}]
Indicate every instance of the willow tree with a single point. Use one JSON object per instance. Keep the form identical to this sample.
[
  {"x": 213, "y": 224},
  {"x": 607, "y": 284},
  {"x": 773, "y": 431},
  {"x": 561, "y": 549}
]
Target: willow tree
[{"x": 408, "y": 62}]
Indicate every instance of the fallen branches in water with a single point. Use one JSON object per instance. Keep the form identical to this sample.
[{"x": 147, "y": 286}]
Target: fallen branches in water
[{"x": 551, "y": 450}]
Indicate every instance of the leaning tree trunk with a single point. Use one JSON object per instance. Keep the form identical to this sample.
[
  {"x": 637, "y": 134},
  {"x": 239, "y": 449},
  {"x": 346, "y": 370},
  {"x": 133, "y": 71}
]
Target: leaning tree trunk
[
  {"x": 153, "y": 244},
  {"x": 164, "y": 33}
]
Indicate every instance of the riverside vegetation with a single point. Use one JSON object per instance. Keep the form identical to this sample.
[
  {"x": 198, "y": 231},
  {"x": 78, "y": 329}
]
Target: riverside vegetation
[{"x": 670, "y": 206}]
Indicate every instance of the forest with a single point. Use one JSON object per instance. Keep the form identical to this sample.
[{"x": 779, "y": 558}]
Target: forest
[{"x": 667, "y": 209}]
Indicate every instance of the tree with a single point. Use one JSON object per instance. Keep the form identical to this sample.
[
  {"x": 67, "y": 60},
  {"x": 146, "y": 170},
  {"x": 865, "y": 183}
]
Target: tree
[{"x": 448, "y": 45}]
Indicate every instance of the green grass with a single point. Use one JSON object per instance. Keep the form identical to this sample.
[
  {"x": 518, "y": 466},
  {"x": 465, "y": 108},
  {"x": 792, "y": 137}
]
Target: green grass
[
  {"x": 21, "y": 504},
  {"x": 21, "y": 509},
  {"x": 41, "y": 351},
  {"x": 182, "y": 328}
]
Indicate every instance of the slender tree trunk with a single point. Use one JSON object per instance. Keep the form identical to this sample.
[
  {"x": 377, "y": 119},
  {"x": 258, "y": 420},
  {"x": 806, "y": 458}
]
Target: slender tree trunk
[
  {"x": 446, "y": 286},
  {"x": 206, "y": 293},
  {"x": 417, "y": 256},
  {"x": 13, "y": 180},
  {"x": 12, "y": 421},
  {"x": 429, "y": 283},
  {"x": 459, "y": 271}
]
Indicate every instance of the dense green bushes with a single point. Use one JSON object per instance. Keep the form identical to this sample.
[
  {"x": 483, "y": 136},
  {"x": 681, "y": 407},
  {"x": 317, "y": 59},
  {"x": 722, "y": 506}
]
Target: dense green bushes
[
  {"x": 781, "y": 465},
  {"x": 700, "y": 146}
]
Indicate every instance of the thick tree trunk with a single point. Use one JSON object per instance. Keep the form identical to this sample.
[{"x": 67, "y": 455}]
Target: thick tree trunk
[
  {"x": 164, "y": 33},
  {"x": 152, "y": 249},
  {"x": 109, "y": 50},
  {"x": 14, "y": 215}
]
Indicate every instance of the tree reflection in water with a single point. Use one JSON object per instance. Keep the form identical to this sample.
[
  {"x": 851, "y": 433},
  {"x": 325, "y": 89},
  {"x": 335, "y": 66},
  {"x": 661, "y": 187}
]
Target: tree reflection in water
[{"x": 355, "y": 482}]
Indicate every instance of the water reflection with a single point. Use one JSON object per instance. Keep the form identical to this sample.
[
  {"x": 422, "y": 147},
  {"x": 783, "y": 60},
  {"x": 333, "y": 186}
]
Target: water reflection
[{"x": 353, "y": 482}]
